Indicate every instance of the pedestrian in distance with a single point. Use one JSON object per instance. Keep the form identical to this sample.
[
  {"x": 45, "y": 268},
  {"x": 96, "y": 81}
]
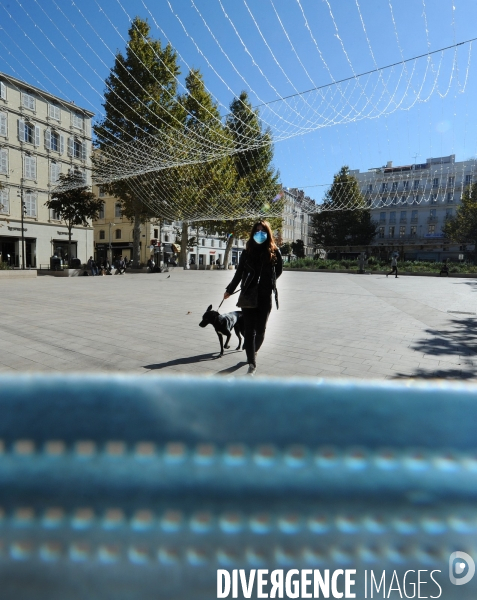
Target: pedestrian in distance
[
  {"x": 92, "y": 266},
  {"x": 394, "y": 268},
  {"x": 259, "y": 267}
]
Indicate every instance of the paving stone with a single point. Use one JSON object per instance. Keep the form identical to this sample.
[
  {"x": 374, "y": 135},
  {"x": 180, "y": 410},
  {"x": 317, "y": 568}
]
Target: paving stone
[{"x": 328, "y": 325}]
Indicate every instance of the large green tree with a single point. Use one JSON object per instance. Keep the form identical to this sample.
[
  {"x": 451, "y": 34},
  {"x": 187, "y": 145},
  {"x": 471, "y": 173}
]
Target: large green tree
[
  {"x": 202, "y": 185},
  {"x": 73, "y": 203},
  {"x": 256, "y": 180},
  {"x": 344, "y": 219},
  {"x": 462, "y": 228},
  {"x": 140, "y": 103}
]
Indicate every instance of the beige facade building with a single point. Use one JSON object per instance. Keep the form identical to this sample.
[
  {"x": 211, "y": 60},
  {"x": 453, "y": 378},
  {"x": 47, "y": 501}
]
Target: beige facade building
[
  {"x": 41, "y": 136},
  {"x": 297, "y": 219}
]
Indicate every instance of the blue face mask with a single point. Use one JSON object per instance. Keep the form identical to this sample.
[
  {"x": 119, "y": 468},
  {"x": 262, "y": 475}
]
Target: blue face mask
[{"x": 260, "y": 236}]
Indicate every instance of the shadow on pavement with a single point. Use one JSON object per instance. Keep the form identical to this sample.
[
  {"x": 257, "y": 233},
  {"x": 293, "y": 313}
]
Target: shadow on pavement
[
  {"x": 188, "y": 360},
  {"x": 460, "y": 340},
  {"x": 231, "y": 370}
]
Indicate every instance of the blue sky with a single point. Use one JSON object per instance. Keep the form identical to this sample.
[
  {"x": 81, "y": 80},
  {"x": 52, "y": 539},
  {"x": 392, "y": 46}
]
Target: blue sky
[{"x": 68, "y": 48}]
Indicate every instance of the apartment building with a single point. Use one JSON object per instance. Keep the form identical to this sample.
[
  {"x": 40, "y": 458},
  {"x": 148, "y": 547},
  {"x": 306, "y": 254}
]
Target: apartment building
[
  {"x": 113, "y": 237},
  {"x": 297, "y": 217},
  {"x": 41, "y": 136},
  {"x": 412, "y": 202}
]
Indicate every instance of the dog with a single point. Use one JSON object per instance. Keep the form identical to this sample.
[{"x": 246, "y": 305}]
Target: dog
[{"x": 223, "y": 325}]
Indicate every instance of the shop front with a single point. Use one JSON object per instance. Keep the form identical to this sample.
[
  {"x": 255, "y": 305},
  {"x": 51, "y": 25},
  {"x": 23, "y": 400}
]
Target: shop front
[
  {"x": 10, "y": 251},
  {"x": 59, "y": 248}
]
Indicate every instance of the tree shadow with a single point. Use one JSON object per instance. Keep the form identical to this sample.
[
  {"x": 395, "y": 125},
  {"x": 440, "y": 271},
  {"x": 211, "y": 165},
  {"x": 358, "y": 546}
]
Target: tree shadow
[
  {"x": 188, "y": 360},
  {"x": 459, "y": 339}
]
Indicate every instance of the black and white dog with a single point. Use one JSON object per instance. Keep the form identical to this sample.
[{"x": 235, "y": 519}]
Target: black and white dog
[{"x": 223, "y": 325}]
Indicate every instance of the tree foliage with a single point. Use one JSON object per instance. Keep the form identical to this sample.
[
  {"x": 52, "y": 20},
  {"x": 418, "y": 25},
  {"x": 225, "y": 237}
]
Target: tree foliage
[
  {"x": 298, "y": 248},
  {"x": 462, "y": 228},
  {"x": 343, "y": 227},
  {"x": 140, "y": 100},
  {"x": 76, "y": 205},
  {"x": 256, "y": 182}
]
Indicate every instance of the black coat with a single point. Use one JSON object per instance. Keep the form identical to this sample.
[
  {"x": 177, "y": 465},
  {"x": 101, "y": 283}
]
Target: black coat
[{"x": 251, "y": 266}]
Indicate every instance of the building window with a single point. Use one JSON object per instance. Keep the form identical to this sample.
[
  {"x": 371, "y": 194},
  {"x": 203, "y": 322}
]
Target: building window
[
  {"x": 433, "y": 213},
  {"x": 394, "y": 186},
  {"x": 101, "y": 212},
  {"x": 30, "y": 167},
  {"x": 3, "y": 124},
  {"x": 77, "y": 148},
  {"x": 117, "y": 210},
  {"x": 415, "y": 185},
  {"x": 450, "y": 198},
  {"x": 54, "y": 112},
  {"x": 433, "y": 198},
  {"x": 3, "y": 91},
  {"x": 392, "y": 216},
  {"x": 117, "y": 234},
  {"x": 382, "y": 216},
  {"x": 405, "y": 185},
  {"x": 4, "y": 161},
  {"x": 29, "y": 201},
  {"x": 381, "y": 232},
  {"x": 4, "y": 201},
  {"x": 29, "y": 133},
  {"x": 384, "y": 187},
  {"x": 414, "y": 215},
  {"x": 413, "y": 231},
  {"x": 55, "y": 170},
  {"x": 211, "y": 243},
  {"x": 431, "y": 229},
  {"x": 156, "y": 234},
  {"x": 370, "y": 187},
  {"x": 468, "y": 180},
  {"x": 102, "y": 234},
  {"x": 394, "y": 200},
  {"x": 101, "y": 193},
  {"x": 403, "y": 215},
  {"x": 28, "y": 101},
  {"x": 451, "y": 180},
  {"x": 166, "y": 237},
  {"x": 435, "y": 182},
  {"x": 78, "y": 121},
  {"x": 403, "y": 200},
  {"x": 449, "y": 213},
  {"x": 203, "y": 242},
  {"x": 402, "y": 231},
  {"x": 391, "y": 231}
]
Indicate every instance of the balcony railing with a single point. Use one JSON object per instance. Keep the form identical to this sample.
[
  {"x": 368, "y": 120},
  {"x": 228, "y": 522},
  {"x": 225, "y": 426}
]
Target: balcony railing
[{"x": 433, "y": 219}]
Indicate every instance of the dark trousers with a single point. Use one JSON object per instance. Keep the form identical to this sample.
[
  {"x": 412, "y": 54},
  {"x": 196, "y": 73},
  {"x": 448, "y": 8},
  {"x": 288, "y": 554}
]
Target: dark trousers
[
  {"x": 255, "y": 323},
  {"x": 393, "y": 269}
]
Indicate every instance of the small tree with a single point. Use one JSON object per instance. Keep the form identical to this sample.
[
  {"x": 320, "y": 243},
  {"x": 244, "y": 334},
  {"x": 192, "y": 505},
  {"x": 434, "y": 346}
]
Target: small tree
[
  {"x": 73, "y": 203},
  {"x": 463, "y": 227},
  {"x": 344, "y": 220},
  {"x": 298, "y": 248}
]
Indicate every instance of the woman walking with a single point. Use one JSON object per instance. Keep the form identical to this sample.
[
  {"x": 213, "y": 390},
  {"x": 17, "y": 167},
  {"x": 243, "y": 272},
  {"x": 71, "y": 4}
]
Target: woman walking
[{"x": 259, "y": 267}]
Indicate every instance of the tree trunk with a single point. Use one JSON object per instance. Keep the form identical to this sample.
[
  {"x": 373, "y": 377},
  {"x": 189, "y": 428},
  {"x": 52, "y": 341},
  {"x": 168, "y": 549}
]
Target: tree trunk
[
  {"x": 184, "y": 242},
  {"x": 70, "y": 227},
  {"x": 136, "y": 241},
  {"x": 228, "y": 248}
]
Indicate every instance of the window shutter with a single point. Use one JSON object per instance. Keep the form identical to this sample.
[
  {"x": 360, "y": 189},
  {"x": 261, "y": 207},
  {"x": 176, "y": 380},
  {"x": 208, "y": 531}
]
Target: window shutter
[
  {"x": 62, "y": 144},
  {"x": 83, "y": 151},
  {"x": 21, "y": 130},
  {"x": 3, "y": 91},
  {"x": 4, "y": 161},
  {"x": 71, "y": 142},
  {"x": 48, "y": 139},
  {"x": 3, "y": 124},
  {"x": 37, "y": 135}
]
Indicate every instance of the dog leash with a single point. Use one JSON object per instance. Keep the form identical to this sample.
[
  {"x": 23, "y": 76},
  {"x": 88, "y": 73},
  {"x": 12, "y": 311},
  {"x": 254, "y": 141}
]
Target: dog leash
[{"x": 229, "y": 296}]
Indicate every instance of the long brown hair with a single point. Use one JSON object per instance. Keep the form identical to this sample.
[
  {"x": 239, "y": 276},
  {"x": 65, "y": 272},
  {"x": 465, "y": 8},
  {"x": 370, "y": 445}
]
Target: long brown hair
[{"x": 252, "y": 247}]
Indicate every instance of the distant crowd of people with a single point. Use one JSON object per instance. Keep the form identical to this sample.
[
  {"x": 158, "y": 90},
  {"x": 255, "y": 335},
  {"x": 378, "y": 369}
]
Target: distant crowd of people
[{"x": 120, "y": 264}]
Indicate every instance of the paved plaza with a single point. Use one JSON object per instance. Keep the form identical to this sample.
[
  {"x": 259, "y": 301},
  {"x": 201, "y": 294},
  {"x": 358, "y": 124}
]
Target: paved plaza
[{"x": 328, "y": 325}]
